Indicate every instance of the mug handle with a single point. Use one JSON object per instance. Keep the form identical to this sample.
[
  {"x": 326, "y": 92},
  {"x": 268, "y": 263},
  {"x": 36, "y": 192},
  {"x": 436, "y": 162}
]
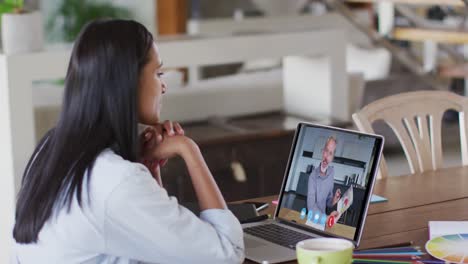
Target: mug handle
[{"x": 315, "y": 260}]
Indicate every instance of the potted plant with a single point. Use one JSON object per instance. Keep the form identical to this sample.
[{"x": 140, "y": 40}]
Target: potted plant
[
  {"x": 21, "y": 30},
  {"x": 70, "y": 16}
]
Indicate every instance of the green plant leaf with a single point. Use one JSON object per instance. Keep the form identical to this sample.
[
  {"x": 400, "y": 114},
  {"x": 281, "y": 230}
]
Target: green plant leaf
[
  {"x": 6, "y": 8},
  {"x": 72, "y": 15},
  {"x": 15, "y": 3}
]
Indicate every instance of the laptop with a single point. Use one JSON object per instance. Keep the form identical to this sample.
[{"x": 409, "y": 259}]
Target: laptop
[{"x": 325, "y": 192}]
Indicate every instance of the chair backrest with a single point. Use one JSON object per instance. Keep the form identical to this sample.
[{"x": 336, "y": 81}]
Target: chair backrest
[{"x": 416, "y": 119}]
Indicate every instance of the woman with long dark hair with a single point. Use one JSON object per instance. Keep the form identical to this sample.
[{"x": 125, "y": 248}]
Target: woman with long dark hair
[{"x": 92, "y": 192}]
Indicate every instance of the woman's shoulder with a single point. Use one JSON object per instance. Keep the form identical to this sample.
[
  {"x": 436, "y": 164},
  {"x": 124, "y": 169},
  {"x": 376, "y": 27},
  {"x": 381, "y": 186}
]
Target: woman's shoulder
[
  {"x": 110, "y": 170},
  {"x": 109, "y": 160}
]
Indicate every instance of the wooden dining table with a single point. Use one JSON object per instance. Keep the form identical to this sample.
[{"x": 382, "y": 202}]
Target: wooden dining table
[{"x": 413, "y": 201}]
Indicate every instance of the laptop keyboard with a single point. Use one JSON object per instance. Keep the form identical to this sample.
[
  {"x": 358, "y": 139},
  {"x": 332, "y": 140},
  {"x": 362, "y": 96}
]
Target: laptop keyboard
[{"x": 277, "y": 234}]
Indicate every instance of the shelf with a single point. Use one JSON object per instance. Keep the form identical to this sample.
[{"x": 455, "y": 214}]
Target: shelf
[
  {"x": 414, "y": 2},
  {"x": 442, "y": 36},
  {"x": 454, "y": 71}
]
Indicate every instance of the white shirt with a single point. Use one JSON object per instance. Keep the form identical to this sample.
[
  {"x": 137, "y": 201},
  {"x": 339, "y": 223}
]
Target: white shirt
[{"x": 131, "y": 219}]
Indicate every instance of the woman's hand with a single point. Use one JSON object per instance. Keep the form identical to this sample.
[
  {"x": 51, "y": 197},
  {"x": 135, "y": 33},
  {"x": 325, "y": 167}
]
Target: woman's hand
[
  {"x": 157, "y": 134},
  {"x": 150, "y": 138},
  {"x": 171, "y": 142},
  {"x": 178, "y": 145}
]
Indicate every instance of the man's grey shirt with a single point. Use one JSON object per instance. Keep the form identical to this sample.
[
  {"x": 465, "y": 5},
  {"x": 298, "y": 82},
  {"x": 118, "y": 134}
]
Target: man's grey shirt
[{"x": 320, "y": 190}]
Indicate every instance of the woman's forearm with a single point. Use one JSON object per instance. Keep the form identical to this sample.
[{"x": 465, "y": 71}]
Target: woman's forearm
[{"x": 207, "y": 191}]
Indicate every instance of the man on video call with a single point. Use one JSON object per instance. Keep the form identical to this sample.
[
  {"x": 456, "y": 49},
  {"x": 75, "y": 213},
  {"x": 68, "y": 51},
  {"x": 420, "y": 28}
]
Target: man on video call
[{"x": 320, "y": 196}]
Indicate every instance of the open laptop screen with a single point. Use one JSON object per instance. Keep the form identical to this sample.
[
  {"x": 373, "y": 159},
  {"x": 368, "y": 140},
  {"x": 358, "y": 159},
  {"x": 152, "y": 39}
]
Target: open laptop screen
[{"x": 329, "y": 180}]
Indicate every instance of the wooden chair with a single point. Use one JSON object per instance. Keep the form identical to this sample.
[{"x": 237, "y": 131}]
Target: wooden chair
[{"x": 416, "y": 119}]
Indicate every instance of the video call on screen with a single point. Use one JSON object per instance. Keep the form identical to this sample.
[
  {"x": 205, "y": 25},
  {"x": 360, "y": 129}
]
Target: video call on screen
[{"x": 328, "y": 180}]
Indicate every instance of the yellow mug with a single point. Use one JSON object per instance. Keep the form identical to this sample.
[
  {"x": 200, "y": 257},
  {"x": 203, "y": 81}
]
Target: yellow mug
[{"x": 324, "y": 251}]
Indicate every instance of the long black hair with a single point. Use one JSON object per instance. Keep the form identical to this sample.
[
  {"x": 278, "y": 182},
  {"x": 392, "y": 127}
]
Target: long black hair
[{"x": 99, "y": 111}]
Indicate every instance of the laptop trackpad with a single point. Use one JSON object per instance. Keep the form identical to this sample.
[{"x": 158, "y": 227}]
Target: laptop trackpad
[
  {"x": 260, "y": 251},
  {"x": 253, "y": 243}
]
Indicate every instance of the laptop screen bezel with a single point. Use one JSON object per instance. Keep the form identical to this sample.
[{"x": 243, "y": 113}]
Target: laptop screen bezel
[{"x": 379, "y": 142}]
